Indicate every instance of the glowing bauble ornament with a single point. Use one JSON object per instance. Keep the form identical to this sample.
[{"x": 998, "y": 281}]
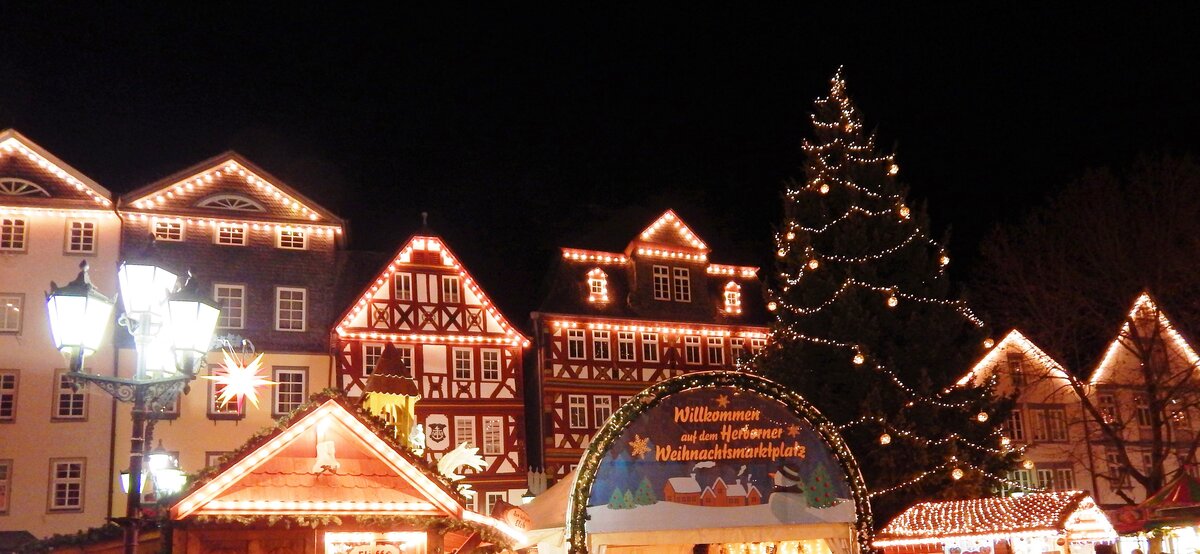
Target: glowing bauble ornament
[
  {"x": 945, "y": 260},
  {"x": 905, "y": 212},
  {"x": 988, "y": 343},
  {"x": 781, "y": 252},
  {"x": 892, "y": 301},
  {"x": 956, "y": 474},
  {"x": 885, "y": 439},
  {"x": 1027, "y": 464},
  {"x": 791, "y": 235},
  {"x": 982, "y": 417},
  {"x": 813, "y": 263},
  {"x": 893, "y": 169},
  {"x": 859, "y": 358},
  {"x": 1005, "y": 441},
  {"x": 772, "y": 306},
  {"x": 824, "y": 188}
]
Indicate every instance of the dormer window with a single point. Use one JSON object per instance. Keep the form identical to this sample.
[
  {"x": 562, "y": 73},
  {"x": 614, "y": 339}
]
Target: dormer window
[
  {"x": 597, "y": 286},
  {"x": 733, "y": 298}
]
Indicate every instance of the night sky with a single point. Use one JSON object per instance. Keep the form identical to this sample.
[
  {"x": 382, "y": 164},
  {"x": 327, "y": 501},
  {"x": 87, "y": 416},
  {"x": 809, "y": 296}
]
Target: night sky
[{"x": 521, "y": 132}]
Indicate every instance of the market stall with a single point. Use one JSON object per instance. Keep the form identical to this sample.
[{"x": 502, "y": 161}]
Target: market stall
[
  {"x": 1172, "y": 514},
  {"x": 1036, "y": 523}
]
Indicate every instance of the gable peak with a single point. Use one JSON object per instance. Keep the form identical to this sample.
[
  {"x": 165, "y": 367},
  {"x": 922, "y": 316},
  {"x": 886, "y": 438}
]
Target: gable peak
[
  {"x": 13, "y": 143},
  {"x": 668, "y": 236}
]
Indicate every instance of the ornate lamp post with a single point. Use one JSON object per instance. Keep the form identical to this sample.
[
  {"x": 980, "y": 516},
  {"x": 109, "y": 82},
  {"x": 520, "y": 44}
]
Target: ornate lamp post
[{"x": 172, "y": 330}]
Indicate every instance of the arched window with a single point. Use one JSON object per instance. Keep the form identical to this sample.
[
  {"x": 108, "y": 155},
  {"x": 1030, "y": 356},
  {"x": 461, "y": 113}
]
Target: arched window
[
  {"x": 231, "y": 202},
  {"x": 733, "y": 298},
  {"x": 12, "y": 186},
  {"x": 597, "y": 282}
]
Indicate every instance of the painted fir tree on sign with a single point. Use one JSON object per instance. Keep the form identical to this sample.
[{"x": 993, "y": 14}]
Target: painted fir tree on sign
[{"x": 868, "y": 326}]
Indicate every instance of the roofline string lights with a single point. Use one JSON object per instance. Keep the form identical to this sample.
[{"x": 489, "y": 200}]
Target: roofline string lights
[
  {"x": 1028, "y": 349},
  {"x": 327, "y": 230},
  {"x": 206, "y": 177},
  {"x": 429, "y": 244},
  {"x": 678, "y": 226},
  {"x": 1144, "y": 302},
  {"x": 661, "y": 329},
  {"x": 14, "y": 145}
]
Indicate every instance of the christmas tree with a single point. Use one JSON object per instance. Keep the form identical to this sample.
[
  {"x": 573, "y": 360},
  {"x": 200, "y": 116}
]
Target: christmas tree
[
  {"x": 617, "y": 500},
  {"x": 819, "y": 492},
  {"x": 645, "y": 493},
  {"x": 867, "y": 325}
]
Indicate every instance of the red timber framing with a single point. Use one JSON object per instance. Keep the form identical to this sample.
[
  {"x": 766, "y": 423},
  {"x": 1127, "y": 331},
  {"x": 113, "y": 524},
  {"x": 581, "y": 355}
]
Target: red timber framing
[
  {"x": 465, "y": 355},
  {"x": 615, "y": 323}
]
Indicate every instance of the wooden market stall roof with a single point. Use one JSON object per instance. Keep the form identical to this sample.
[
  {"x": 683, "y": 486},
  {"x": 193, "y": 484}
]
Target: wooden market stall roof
[{"x": 1070, "y": 513}]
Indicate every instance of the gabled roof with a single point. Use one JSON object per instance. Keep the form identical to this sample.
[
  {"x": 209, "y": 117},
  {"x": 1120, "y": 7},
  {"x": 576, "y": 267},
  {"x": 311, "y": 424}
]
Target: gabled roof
[
  {"x": 230, "y": 186},
  {"x": 41, "y": 175},
  {"x": 1143, "y": 308},
  {"x": 446, "y": 259},
  {"x": 1071, "y": 513},
  {"x": 671, "y": 232},
  {"x": 1014, "y": 339},
  {"x": 287, "y": 473}
]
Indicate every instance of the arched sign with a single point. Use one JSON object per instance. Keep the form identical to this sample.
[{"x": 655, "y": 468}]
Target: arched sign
[{"x": 716, "y": 450}]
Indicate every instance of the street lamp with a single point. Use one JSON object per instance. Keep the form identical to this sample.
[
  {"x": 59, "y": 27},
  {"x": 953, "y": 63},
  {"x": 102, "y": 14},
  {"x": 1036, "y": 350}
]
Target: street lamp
[
  {"x": 162, "y": 471},
  {"x": 172, "y": 329}
]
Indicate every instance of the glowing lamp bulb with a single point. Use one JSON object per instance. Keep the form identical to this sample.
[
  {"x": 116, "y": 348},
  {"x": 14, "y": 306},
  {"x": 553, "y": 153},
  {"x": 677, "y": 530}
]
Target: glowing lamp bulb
[
  {"x": 905, "y": 212},
  {"x": 859, "y": 358},
  {"x": 772, "y": 306},
  {"x": 956, "y": 474},
  {"x": 791, "y": 235},
  {"x": 813, "y": 263},
  {"x": 981, "y": 417},
  {"x": 945, "y": 260},
  {"x": 885, "y": 439},
  {"x": 781, "y": 252},
  {"x": 824, "y": 188},
  {"x": 892, "y": 301},
  {"x": 1027, "y": 464},
  {"x": 893, "y": 169},
  {"x": 988, "y": 343}
]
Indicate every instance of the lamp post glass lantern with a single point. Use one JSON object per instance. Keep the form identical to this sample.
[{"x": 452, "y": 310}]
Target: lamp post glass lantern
[{"x": 172, "y": 328}]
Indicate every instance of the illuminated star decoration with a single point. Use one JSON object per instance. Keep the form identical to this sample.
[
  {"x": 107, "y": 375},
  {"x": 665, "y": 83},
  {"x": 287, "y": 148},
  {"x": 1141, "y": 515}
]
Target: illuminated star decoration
[
  {"x": 722, "y": 401},
  {"x": 793, "y": 430},
  {"x": 238, "y": 381},
  {"x": 639, "y": 446}
]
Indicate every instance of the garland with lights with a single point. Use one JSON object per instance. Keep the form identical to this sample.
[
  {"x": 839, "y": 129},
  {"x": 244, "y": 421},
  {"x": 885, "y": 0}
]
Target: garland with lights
[
  {"x": 589, "y": 464},
  {"x": 868, "y": 327}
]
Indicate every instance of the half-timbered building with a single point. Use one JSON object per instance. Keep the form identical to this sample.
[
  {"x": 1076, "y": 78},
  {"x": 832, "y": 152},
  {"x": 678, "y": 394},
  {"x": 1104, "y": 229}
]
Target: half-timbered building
[
  {"x": 462, "y": 351},
  {"x": 614, "y": 323}
]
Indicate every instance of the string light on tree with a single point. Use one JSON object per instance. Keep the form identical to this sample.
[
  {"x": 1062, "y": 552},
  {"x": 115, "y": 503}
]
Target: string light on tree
[{"x": 982, "y": 417}]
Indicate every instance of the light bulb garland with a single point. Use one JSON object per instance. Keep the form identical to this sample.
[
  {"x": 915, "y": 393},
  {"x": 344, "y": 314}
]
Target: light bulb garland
[{"x": 891, "y": 431}]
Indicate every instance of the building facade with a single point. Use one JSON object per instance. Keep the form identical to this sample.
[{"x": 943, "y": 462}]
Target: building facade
[
  {"x": 463, "y": 353},
  {"x": 614, "y": 323},
  {"x": 55, "y": 470}
]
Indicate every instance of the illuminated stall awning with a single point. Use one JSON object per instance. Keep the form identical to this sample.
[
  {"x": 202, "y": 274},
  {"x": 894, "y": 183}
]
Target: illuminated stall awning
[{"x": 1071, "y": 515}]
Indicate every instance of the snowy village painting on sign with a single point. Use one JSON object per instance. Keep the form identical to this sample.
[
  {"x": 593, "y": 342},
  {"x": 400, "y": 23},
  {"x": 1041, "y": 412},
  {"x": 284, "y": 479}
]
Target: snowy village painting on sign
[{"x": 717, "y": 457}]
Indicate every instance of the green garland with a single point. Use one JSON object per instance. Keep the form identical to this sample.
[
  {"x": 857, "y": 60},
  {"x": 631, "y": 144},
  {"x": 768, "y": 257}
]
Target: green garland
[
  {"x": 106, "y": 532},
  {"x": 375, "y": 423},
  {"x": 576, "y": 523}
]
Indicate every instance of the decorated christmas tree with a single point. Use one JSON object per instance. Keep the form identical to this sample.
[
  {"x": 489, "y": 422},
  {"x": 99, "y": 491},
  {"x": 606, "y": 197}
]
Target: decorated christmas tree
[
  {"x": 868, "y": 327},
  {"x": 645, "y": 493},
  {"x": 819, "y": 492},
  {"x": 617, "y": 500}
]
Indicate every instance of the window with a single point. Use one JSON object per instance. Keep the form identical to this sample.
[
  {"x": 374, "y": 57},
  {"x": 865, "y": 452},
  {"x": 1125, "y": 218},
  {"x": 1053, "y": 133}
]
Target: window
[
  {"x": 600, "y": 345},
  {"x": 406, "y": 356},
  {"x": 575, "y": 350},
  {"x": 492, "y": 498},
  {"x": 1015, "y": 426},
  {"x": 291, "y": 239},
  {"x": 230, "y": 234},
  {"x": 493, "y": 435},
  {"x": 8, "y": 396},
  {"x": 231, "y": 410},
  {"x": 289, "y": 308},
  {"x": 66, "y": 485},
  {"x": 1016, "y": 368},
  {"x": 10, "y": 312},
  {"x": 733, "y": 298},
  {"x": 1118, "y": 476},
  {"x": 1143, "y": 411},
  {"x": 1108, "y": 408},
  {"x": 577, "y": 408},
  {"x": 463, "y": 368},
  {"x": 1064, "y": 479},
  {"x": 683, "y": 284},
  {"x": 716, "y": 351},
  {"x": 757, "y": 344},
  {"x": 1023, "y": 479},
  {"x": 81, "y": 237},
  {"x": 625, "y": 350},
  {"x": 231, "y": 299},
  {"x": 601, "y": 409},
  {"x": 69, "y": 404},
  {"x": 1050, "y": 425},
  {"x": 597, "y": 286},
  {"x": 168, "y": 230},
  {"x": 1045, "y": 479},
  {"x": 371, "y": 355},
  {"x": 450, "y": 288},
  {"x": 163, "y": 409},
  {"x": 464, "y": 431},
  {"x": 404, "y": 286},
  {"x": 737, "y": 349},
  {"x": 649, "y": 347},
  {"x": 13, "y": 232},
  {"x": 5, "y": 485},
  {"x": 213, "y": 457},
  {"x": 291, "y": 388},
  {"x": 490, "y": 364},
  {"x": 470, "y": 503},
  {"x": 662, "y": 283},
  {"x": 624, "y": 399},
  {"x": 691, "y": 350}
]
